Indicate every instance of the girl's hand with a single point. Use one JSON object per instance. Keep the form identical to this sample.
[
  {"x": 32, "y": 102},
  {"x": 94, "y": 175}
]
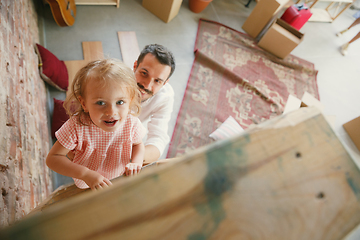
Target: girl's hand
[
  {"x": 95, "y": 180},
  {"x": 132, "y": 168}
]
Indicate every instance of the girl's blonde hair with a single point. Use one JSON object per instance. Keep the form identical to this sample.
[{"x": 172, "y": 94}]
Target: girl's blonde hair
[{"x": 103, "y": 71}]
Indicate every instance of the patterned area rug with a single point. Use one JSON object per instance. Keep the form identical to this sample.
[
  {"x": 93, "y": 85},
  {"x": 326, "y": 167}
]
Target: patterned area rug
[{"x": 232, "y": 76}]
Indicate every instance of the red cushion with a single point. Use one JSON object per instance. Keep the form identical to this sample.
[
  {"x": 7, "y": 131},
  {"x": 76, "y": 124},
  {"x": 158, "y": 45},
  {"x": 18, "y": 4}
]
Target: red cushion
[
  {"x": 59, "y": 116},
  {"x": 52, "y": 70}
]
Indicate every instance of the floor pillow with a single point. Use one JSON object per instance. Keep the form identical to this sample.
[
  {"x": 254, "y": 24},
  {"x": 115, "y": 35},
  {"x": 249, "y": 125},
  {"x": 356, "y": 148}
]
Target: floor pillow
[
  {"x": 52, "y": 70},
  {"x": 59, "y": 116}
]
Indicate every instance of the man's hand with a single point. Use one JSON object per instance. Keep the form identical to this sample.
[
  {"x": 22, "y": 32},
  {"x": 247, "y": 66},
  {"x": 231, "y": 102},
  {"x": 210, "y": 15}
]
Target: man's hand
[
  {"x": 95, "y": 180},
  {"x": 132, "y": 168}
]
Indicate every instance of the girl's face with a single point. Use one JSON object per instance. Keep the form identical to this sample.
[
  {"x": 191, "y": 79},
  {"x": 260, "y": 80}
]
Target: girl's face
[{"x": 108, "y": 106}]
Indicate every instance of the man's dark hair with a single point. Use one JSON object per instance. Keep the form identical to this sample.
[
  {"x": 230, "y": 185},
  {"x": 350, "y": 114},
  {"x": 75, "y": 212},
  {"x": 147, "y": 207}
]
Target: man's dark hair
[{"x": 162, "y": 54}]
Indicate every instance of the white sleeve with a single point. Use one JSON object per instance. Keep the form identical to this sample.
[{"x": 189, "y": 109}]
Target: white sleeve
[{"x": 159, "y": 123}]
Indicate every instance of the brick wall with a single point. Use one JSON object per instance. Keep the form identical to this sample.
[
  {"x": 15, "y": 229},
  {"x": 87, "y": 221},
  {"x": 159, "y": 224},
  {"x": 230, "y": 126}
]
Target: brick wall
[{"x": 24, "y": 137}]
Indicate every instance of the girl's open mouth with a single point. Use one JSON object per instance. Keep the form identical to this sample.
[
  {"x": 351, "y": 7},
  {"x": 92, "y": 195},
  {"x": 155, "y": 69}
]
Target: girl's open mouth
[{"x": 110, "y": 123}]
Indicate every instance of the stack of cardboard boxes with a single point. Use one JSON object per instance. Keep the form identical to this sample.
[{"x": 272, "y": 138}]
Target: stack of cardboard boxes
[{"x": 273, "y": 34}]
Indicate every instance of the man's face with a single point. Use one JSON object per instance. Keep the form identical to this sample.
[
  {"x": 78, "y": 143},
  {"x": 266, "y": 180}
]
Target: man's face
[{"x": 150, "y": 76}]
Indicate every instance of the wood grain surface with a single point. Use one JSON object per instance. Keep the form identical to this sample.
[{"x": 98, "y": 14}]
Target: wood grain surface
[
  {"x": 129, "y": 47},
  {"x": 287, "y": 178},
  {"x": 91, "y": 51}
]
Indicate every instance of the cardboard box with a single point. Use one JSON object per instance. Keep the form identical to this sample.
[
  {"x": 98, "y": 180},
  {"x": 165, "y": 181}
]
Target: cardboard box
[
  {"x": 353, "y": 130},
  {"x": 166, "y": 10},
  {"x": 280, "y": 39},
  {"x": 263, "y": 13}
]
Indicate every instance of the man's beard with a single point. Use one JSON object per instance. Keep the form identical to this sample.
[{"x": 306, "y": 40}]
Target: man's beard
[{"x": 150, "y": 93}]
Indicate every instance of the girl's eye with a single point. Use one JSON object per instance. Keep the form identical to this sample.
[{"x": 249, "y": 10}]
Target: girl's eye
[
  {"x": 100, "y": 103},
  {"x": 120, "y": 102}
]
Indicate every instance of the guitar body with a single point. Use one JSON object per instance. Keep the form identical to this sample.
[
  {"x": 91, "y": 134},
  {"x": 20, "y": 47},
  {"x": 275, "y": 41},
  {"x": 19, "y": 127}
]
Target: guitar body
[{"x": 63, "y": 11}]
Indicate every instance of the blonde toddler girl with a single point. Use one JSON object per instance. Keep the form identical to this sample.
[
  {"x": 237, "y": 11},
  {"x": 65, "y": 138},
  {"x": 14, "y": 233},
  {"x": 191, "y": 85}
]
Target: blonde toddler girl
[{"x": 103, "y": 132}]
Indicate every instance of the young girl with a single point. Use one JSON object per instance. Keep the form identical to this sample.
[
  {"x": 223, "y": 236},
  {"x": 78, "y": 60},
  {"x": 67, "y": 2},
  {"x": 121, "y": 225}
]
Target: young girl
[{"x": 103, "y": 133}]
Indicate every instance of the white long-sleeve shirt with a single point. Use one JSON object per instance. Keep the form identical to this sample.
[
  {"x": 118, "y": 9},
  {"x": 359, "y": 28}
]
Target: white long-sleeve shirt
[{"x": 155, "y": 116}]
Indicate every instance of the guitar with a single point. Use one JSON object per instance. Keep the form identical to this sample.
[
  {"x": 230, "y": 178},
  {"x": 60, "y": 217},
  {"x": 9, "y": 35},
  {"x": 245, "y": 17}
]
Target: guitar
[{"x": 63, "y": 11}]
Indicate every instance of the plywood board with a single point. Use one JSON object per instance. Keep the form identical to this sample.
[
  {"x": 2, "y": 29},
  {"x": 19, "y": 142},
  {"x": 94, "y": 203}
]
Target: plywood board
[
  {"x": 65, "y": 192},
  {"x": 129, "y": 47},
  {"x": 73, "y": 66},
  {"x": 91, "y": 51},
  {"x": 286, "y": 178}
]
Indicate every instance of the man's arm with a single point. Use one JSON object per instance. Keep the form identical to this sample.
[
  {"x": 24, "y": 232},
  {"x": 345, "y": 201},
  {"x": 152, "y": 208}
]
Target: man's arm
[
  {"x": 160, "y": 108},
  {"x": 157, "y": 136},
  {"x": 152, "y": 154}
]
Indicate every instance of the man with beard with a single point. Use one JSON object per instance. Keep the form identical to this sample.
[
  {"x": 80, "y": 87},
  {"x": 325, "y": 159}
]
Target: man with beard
[{"x": 153, "y": 69}]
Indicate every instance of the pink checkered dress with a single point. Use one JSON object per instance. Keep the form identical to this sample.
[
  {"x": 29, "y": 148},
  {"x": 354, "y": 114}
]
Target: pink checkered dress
[{"x": 101, "y": 151}]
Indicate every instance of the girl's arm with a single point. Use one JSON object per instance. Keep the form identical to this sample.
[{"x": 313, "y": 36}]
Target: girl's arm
[
  {"x": 58, "y": 162},
  {"x": 137, "y": 158}
]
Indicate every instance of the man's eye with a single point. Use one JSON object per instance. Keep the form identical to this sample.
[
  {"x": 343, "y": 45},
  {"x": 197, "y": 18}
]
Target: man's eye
[
  {"x": 120, "y": 102},
  {"x": 101, "y": 103}
]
